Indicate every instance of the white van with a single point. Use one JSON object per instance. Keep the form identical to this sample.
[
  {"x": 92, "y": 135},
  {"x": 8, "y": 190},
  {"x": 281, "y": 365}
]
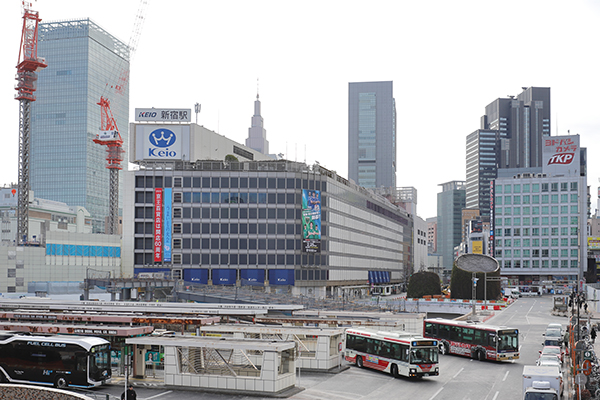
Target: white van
[{"x": 512, "y": 292}]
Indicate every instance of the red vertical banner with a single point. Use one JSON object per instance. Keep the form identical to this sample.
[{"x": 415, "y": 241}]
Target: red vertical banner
[{"x": 158, "y": 224}]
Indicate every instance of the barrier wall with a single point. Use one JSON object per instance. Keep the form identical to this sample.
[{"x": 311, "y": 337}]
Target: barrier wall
[{"x": 38, "y": 393}]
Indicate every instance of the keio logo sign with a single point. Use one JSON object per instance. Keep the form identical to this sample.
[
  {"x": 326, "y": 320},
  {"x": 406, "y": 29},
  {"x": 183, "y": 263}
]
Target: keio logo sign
[{"x": 160, "y": 141}]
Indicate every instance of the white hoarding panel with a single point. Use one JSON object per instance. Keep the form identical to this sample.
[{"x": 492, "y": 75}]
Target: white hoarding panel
[
  {"x": 162, "y": 142},
  {"x": 108, "y": 135},
  {"x": 561, "y": 155},
  {"x": 163, "y": 114}
]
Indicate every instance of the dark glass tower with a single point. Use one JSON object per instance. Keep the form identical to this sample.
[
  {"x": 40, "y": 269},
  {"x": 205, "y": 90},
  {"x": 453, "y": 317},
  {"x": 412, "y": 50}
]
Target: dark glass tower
[
  {"x": 511, "y": 136},
  {"x": 372, "y": 134}
]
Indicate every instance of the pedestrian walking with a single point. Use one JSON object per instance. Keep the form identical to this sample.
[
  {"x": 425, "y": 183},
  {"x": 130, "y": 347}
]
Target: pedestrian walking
[
  {"x": 129, "y": 394},
  {"x": 593, "y": 334}
]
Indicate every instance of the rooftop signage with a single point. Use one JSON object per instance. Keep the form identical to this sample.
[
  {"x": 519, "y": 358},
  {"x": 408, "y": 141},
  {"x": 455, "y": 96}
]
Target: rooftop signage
[{"x": 163, "y": 114}]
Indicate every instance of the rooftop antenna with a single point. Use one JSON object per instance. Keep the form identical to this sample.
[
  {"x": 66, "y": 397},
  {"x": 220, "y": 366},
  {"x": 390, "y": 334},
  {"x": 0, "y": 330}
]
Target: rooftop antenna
[{"x": 197, "y": 107}]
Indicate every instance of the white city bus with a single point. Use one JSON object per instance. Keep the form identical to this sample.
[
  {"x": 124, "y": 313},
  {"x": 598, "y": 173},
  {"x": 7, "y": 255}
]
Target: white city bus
[
  {"x": 54, "y": 360},
  {"x": 398, "y": 353}
]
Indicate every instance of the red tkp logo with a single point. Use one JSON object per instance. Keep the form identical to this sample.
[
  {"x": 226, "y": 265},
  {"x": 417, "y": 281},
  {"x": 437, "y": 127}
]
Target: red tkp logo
[{"x": 563, "y": 158}]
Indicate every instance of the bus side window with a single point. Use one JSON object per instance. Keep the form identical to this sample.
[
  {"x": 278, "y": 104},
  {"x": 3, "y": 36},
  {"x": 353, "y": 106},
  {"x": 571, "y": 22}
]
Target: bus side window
[
  {"x": 404, "y": 352},
  {"x": 396, "y": 351},
  {"x": 444, "y": 332},
  {"x": 429, "y": 328},
  {"x": 385, "y": 350},
  {"x": 370, "y": 346},
  {"x": 479, "y": 338},
  {"x": 349, "y": 342},
  {"x": 455, "y": 333},
  {"x": 467, "y": 335}
]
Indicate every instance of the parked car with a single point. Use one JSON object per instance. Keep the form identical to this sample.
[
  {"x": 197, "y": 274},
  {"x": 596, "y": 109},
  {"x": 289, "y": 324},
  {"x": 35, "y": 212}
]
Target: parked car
[
  {"x": 554, "y": 351},
  {"x": 554, "y": 326},
  {"x": 548, "y": 361},
  {"x": 553, "y": 337}
]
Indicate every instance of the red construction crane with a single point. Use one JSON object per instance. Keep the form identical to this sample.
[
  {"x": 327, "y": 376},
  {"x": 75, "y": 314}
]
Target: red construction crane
[
  {"x": 28, "y": 65},
  {"x": 109, "y": 135}
]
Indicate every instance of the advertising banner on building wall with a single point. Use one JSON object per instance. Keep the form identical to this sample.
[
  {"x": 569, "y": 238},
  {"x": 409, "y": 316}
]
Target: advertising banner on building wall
[
  {"x": 492, "y": 243},
  {"x": 158, "y": 224},
  {"x": 167, "y": 212},
  {"x": 311, "y": 221},
  {"x": 162, "y": 142},
  {"x": 560, "y": 155},
  {"x": 593, "y": 243},
  {"x": 477, "y": 247}
]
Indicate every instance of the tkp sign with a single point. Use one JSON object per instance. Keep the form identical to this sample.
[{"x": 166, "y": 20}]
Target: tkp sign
[{"x": 561, "y": 159}]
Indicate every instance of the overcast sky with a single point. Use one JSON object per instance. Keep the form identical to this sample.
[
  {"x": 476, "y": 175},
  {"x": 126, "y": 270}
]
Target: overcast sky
[{"x": 447, "y": 59}]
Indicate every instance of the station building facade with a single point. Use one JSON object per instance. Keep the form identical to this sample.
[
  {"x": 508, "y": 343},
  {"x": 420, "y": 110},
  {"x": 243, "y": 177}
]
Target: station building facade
[{"x": 256, "y": 221}]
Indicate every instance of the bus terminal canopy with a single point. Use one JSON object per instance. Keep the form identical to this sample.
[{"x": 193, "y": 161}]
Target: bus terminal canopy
[
  {"x": 214, "y": 343},
  {"x": 477, "y": 263}
]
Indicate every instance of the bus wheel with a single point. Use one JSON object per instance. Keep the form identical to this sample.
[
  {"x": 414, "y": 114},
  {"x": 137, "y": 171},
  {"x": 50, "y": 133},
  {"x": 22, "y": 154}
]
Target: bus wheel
[
  {"x": 481, "y": 355},
  {"x": 394, "y": 371},
  {"x": 60, "y": 382},
  {"x": 359, "y": 361}
]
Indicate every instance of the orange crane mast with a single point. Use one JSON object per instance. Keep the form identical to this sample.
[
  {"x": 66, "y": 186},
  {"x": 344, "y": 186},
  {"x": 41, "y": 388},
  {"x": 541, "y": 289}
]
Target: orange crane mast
[
  {"x": 27, "y": 67},
  {"x": 110, "y": 137}
]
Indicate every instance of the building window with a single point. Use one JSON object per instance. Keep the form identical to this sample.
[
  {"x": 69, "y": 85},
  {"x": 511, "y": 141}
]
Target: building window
[
  {"x": 176, "y": 243},
  {"x": 177, "y": 182},
  {"x": 176, "y": 258},
  {"x": 177, "y": 228}
]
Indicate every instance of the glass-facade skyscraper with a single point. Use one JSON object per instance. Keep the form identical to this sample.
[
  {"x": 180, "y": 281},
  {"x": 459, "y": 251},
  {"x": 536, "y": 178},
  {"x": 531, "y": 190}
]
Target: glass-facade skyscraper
[
  {"x": 372, "y": 134},
  {"x": 450, "y": 203},
  {"x": 84, "y": 63}
]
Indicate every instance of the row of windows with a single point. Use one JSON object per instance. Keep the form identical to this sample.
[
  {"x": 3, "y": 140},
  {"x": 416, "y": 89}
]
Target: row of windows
[
  {"x": 535, "y": 199},
  {"x": 228, "y": 182},
  {"x": 535, "y": 210},
  {"x": 538, "y": 252},
  {"x": 236, "y": 259},
  {"x": 537, "y": 221},
  {"x": 537, "y": 264},
  {"x": 227, "y": 228},
  {"x": 535, "y": 187},
  {"x": 225, "y": 198},
  {"x": 536, "y": 232},
  {"x": 516, "y": 253},
  {"x": 225, "y": 244},
  {"x": 227, "y": 213}
]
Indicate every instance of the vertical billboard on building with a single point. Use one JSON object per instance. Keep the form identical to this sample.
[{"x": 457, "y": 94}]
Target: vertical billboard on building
[
  {"x": 560, "y": 155},
  {"x": 167, "y": 224},
  {"x": 492, "y": 245},
  {"x": 477, "y": 247},
  {"x": 158, "y": 228},
  {"x": 311, "y": 221}
]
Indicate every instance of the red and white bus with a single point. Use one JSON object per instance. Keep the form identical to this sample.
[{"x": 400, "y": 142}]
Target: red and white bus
[
  {"x": 480, "y": 342},
  {"x": 398, "y": 353}
]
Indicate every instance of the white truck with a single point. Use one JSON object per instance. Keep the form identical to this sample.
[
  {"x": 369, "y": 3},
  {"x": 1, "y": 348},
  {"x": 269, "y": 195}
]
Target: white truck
[
  {"x": 542, "y": 382},
  {"x": 512, "y": 292}
]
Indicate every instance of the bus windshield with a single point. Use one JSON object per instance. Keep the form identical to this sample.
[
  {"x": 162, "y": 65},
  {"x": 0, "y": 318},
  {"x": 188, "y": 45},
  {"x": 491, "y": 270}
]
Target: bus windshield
[
  {"x": 508, "y": 340},
  {"x": 424, "y": 356},
  {"x": 99, "y": 361}
]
